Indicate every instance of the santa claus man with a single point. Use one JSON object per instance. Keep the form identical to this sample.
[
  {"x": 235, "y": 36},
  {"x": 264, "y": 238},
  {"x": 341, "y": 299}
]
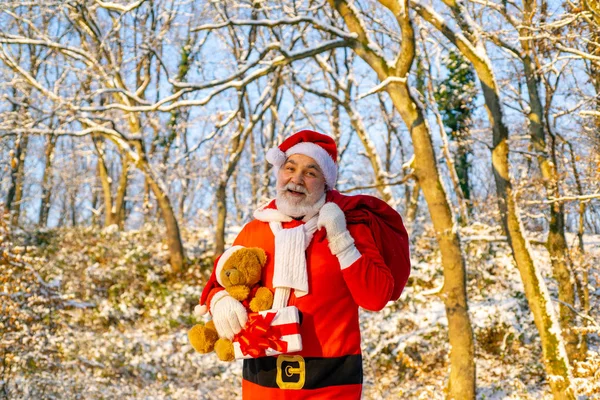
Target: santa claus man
[{"x": 327, "y": 254}]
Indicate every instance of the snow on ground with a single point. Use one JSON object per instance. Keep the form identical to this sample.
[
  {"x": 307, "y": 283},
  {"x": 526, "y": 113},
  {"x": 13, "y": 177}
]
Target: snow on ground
[{"x": 95, "y": 315}]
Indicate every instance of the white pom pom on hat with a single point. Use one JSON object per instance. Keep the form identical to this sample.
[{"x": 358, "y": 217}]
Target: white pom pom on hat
[
  {"x": 200, "y": 309},
  {"x": 275, "y": 156}
]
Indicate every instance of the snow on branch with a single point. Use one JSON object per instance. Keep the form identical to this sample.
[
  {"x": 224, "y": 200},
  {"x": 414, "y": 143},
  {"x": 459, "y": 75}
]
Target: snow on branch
[
  {"x": 118, "y": 7},
  {"x": 382, "y": 86},
  {"x": 565, "y": 198},
  {"x": 584, "y": 55},
  {"x": 229, "y": 83},
  {"x": 590, "y": 113},
  {"x": 273, "y": 23}
]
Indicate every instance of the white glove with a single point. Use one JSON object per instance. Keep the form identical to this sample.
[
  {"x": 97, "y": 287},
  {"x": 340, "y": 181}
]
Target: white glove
[
  {"x": 332, "y": 218},
  {"x": 229, "y": 315}
]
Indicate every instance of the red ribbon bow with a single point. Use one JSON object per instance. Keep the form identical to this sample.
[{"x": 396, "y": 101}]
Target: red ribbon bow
[{"x": 259, "y": 335}]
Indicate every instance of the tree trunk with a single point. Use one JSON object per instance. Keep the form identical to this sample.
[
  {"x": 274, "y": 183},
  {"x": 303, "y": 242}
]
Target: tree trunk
[
  {"x": 462, "y": 170},
  {"x": 64, "y": 210},
  {"x": 147, "y": 203},
  {"x": 234, "y": 153},
  {"x": 95, "y": 206},
  {"x": 15, "y": 191},
  {"x": 336, "y": 128},
  {"x": 557, "y": 243},
  {"x": 160, "y": 190},
  {"x": 582, "y": 282},
  {"x": 454, "y": 293},
  {"x": 221, "y": 197},
  {"x": 412, "y": 205},
  {"x": 553, "y": 348},
  {"x": 176, "y": 251},
  {"x": 73, "y": 207},
  {"x": 47, "y": 183},
  {"x": 119, "y": 214},
  {"x": 254, "y": 168},
  {"x": 239, "y": 212},
  {"x": 557, "y": 365},
  {"x": 114, "y": 212},
  {"x": 105, "y": 181}
]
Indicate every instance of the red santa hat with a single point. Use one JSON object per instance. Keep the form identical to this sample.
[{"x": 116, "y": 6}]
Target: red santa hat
[
  {"x": 313, "y": 144},
  {"x": 215, "y": 279}
]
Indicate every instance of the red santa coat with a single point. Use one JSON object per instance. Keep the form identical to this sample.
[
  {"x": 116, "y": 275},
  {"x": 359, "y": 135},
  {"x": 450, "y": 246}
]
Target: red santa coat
[{"x": 330, "y": 363}]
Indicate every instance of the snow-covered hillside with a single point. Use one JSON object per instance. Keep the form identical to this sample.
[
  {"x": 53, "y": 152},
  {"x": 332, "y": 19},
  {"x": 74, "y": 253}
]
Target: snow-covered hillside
[{"x": 94, "y": 315}]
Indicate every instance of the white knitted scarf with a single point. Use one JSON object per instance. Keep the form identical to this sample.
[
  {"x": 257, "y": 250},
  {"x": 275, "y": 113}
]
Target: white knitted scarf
[
  {"x": 289, "y": 270},
  {"x": 290, "y": 260}
]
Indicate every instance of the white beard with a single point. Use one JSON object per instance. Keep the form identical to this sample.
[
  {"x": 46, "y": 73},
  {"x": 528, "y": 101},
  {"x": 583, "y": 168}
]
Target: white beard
[{"x": 306, "y": 207}]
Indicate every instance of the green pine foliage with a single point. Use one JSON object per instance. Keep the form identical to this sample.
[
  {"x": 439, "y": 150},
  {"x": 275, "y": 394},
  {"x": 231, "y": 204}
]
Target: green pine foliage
[{"x": 455, "y": 97}]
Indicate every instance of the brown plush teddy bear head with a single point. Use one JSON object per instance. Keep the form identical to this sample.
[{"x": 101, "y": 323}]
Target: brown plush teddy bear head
[{"x": 243, "y": 267}]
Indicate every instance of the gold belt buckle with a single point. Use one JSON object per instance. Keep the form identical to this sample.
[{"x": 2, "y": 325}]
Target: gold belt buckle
[{"x": 291, "y": 372}]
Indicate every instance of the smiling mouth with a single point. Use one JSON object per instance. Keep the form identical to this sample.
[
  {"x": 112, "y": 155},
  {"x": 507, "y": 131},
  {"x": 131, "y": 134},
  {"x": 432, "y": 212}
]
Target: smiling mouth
[{"x": 294, "y": 193}]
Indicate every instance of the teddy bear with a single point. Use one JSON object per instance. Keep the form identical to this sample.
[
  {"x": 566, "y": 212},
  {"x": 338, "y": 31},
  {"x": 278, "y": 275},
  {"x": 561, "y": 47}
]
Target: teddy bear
[{"x": 238, "y": 270}]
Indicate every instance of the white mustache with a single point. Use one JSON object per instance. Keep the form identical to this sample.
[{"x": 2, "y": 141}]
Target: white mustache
[{"x": 295, "y": 188}]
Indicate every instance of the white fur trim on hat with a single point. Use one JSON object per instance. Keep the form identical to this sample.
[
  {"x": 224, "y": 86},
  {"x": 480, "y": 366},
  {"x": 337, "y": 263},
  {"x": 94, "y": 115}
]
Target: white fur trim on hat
[
  {"x": 321, "y": 156},
  {"x": 221, "y": 263}
]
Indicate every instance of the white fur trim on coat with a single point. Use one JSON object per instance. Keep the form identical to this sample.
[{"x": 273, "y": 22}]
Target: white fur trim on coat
[
  {"x": 223, "y": 260},
  {"x": 270, "y": 215},
  {"x": 348, "y": 257}
]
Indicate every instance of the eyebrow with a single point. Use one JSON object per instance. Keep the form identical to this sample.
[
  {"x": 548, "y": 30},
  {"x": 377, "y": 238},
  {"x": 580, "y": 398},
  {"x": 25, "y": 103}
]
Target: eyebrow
[{"x": 313, "y": 166}]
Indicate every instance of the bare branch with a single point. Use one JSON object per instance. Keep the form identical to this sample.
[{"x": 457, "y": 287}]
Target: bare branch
[
  {"x": 285, "y": 21},
  {"x": 118, "y": 7}
]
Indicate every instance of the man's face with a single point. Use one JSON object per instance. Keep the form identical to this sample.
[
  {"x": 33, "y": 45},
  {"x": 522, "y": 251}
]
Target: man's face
[{"x": 300, "y": 182}]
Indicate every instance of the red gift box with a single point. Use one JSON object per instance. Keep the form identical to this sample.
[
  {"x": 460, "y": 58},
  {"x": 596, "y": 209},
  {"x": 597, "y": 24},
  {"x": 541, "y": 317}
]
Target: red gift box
[{"x": 269, "y": 333}]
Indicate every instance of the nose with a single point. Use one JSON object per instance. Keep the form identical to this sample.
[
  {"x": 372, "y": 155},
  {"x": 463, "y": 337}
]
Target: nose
[{"x": 298, "y": 178}]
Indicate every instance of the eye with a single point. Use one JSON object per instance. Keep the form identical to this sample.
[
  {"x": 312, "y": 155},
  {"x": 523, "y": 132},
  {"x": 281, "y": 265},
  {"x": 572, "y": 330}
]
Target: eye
[{"x": 312, "y": 174}]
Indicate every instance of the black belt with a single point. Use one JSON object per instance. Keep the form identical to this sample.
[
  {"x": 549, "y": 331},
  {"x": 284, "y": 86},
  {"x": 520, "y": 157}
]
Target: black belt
[{"x": 295, "y": 372}]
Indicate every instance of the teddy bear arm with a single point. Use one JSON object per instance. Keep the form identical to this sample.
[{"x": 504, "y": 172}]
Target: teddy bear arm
[
  {"x": 263, "y": 300},
  {"x": 210, "y": 325},
  {"x": 224, "y": 349},
  {"x": 203, "y": 337},
  {"x": 239, "y": 292}
]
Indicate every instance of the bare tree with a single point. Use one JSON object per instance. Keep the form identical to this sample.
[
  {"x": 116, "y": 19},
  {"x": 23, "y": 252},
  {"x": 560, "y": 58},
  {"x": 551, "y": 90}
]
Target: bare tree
[{"x": 394, "y": 79}]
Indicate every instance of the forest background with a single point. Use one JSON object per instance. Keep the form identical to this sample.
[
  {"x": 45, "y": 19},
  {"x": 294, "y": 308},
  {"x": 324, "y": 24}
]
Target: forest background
[{"x": 132, "y": 142}]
